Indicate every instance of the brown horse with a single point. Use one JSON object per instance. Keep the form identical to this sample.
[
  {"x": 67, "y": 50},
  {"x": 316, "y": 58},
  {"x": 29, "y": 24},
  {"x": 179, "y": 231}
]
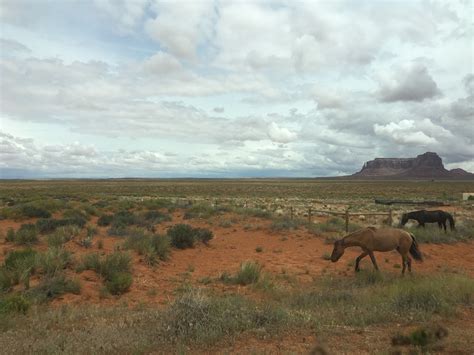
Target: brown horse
[{"x": 374, "y": 239}]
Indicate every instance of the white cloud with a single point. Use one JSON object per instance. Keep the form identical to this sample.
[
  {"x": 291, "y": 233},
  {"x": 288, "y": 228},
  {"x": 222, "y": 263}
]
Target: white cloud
[
  {"x": 181, "y": 27},
  {"x": 246, "y": 86},
  {"x": 404, "y": 132},
  {"x": 280, "y": 134}
]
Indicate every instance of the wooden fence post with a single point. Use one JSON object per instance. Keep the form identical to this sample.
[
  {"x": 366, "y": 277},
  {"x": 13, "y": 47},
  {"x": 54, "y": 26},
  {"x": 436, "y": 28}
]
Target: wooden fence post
[
  {"x": 390, "y": 217},
  {"x": 347, "y": 220},
  {"x": 291, "y": 212},
  {"x": 309, "y": 215}
]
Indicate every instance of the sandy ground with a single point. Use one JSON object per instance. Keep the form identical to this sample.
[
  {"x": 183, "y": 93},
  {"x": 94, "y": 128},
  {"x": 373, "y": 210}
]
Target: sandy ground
[{"x": 295, "y": 254}]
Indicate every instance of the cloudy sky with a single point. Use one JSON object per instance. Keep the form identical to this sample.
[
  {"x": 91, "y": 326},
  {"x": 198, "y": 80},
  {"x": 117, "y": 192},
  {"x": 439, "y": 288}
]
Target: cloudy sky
[{"x": 149, "y": 88}]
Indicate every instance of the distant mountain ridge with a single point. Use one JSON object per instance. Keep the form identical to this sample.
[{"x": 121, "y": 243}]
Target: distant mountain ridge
[{"x": 427, "y": 165}]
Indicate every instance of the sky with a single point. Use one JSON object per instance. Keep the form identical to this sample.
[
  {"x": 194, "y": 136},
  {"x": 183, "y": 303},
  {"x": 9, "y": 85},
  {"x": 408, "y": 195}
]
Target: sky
[{"x": 149, "y": 88}]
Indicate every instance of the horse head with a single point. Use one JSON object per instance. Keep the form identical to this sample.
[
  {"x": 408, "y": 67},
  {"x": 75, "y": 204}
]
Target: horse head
[{"x": 338, "y": 250}]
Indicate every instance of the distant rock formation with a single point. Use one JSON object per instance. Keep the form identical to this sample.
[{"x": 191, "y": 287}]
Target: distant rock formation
[{"x": 427, "y": 165}]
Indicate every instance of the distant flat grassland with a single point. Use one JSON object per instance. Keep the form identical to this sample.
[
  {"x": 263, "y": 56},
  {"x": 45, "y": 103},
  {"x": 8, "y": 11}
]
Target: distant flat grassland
[{"x": 267, "y": 188}]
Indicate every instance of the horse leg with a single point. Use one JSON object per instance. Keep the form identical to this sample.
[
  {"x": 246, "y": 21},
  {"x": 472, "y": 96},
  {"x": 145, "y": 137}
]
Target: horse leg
[
  {"x": 444, "y": 225},
  {"x": 358, "y": 259},
  {"x": 440, "y": 225},
  {"x": 404, "y": 264},
  {"x": 409, "y": 263},
  {"x": 372, "y": 257}
]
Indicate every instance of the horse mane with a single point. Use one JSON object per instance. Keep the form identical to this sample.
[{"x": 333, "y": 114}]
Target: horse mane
[{"x": 357, "y": 232}]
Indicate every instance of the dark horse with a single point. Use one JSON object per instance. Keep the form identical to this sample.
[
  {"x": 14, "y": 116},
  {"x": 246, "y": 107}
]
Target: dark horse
[{"x": 424, "y": 216}]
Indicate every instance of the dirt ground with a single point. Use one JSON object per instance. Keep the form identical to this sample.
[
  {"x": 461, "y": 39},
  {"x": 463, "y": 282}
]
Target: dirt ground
[{"x": 295, "y": 254}]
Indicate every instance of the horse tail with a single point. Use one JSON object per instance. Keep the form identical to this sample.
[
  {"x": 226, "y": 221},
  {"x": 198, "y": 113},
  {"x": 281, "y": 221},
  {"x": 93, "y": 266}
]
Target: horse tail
[
  {"x": 451, "y": 221},
  {"x": 415, "y": 250}
]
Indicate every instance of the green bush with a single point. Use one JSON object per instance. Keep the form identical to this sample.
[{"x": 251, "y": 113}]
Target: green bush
[
  {"x": 90, "y": 262},
  {"x": 161, "y": 245},
  {"x": 21, "y": 262},
  {"x": 182, "y": 236},
  {"x": 52, "y": 287},
  {"x": 10, "y": 237},
  {"x": 74, "y": 214},
  {"x": 14, "y": 303},
  {"x": 62, "y": 235},
  {"x": 150, "y": 246},
  {"x": 249, "y": 273},
  {"x": 117, "y": 262},
  {"x": 26, "y": 235},
  {"x": 105, "y": 220},
  {"x": 48, "y": 225},
  {"x": 200, "y": 211},
  {"x": 6, "y": 279},
  {"x": 33, "y": 211},
  {"x": 156, "y": 217},
  {"x": 285, "y": 223},
  {"x": 53, "y": 261},
  {"x": 119, "y": 283},
  {"x": 203, "y": 234}
]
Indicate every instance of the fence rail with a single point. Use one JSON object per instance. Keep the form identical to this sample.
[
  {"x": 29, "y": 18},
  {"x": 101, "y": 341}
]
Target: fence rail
[{"x": 346, "y": 214}]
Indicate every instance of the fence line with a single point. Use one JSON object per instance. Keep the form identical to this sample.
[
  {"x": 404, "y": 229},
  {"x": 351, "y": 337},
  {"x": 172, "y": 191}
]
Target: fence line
[{"x": 346, "y": 214}]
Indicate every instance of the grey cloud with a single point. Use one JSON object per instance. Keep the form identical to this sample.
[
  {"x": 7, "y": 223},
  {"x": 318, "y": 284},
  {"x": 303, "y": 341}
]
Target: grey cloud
[{"x": 409, "y": 84}]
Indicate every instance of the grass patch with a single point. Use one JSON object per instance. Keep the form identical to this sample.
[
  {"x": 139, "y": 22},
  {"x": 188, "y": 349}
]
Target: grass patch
[{"x": 432, "y": 234}]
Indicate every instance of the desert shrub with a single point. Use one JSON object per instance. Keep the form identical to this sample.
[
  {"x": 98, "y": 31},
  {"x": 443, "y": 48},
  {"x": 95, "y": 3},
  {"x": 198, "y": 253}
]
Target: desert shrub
[
  {"x": 90, "y": 262},
  {"x": 20, "y": 260},
  {"x": 285, "y": 223},
  {"x": 26, "y": 234},
  {"x": 119, "y": 283},
  {"x": 14, "y": 303},
  {"x": 117, "y": 262},
  {"x": 161, "y": 244},
  {"x": 10, "y": 237},
  {"x": 203, "y": 234},
  {"x": 91, "y": 231},
  {"x": 182, "y": 236},
  {"x": 114, "y": 269},
  {"x": 19, "y": 265},
  {"x": 30, "y": 211},
  {"x": 157, "y": 203},
  {"x": 62, "y": 235},
  {"x": 53, "y": 261},
  {"x": 156, "y": 217},
  {"x": 52, "y": 287},
  {"x": 151, "y": 246},
  {"x": 91, "y": 210},
  {"x": 124, "y": 217},
  {"x": 200, "y": 211},
  {"x": 74, "y": 214},
  {"x": 49, "y": 225},
  {"x": 105, "y": 220},
  {"x": 6, "y": 279},
  {"x": 249, "y": 273}
]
